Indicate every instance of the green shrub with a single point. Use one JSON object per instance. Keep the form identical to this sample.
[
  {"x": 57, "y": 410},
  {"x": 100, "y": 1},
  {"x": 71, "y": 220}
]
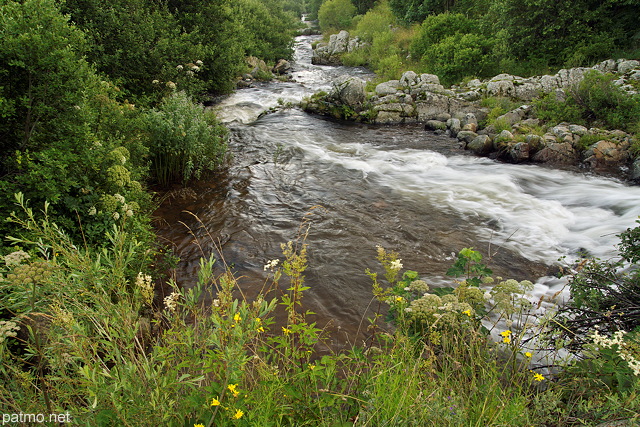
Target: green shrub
[
  {"x": 376, "y": 21},
  {"x": 451, "y": 46},
  {"x": 336, "y": 15},
  {"x": 594, "y": 101},
  {"x": 184, "y": 140}
]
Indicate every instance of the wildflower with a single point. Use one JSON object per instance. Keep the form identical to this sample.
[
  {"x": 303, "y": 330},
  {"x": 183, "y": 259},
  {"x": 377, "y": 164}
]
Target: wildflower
[
  {"x": 195, "y": 68},
  {"x": 312, "y": 367},
  {"x": 286, "y": 331},
  {"x": 16, "y": 258},
  {"x": 399, "y": 299},
  {"x": 120, "y": 198},
  {"x": 171, "y": 301},
  {"x": 8, "y": 329},
  {"x": 528, "y": 354},
  {"x": 506, "y": 340},
  {"x": 143, "y": 281},
  {"x": 232, "y": 389},
  {"x": 129, "y": 213},
  {"x": 200, "y": 63},
  {"x": 155, "y": 82},
  {"x": 467, "y": 312},
  {"x": 215, "y": 402},
  {"x": 238, "y": 414},
  {"x": 179, "y": 67},
  {"x": 271, "y": 264},
  {"x": 92, "y": 211},
  {"x": 237, "y": 318},
  {"x": 171, "y": 85},
  {"x": 116, "y": 216},
  {"x": 506, "y": 333},
  {"x": 396, "y": 264},
  {"x": 216, "y": 303},
  {"x": 260, "y": 329},
  {"x": 538, "y": 377},
  {"x": 198, "y": 425}
]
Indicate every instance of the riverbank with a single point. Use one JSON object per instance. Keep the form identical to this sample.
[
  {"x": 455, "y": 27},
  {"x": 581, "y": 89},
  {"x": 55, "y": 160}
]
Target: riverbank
[{"x": 510, "y": 118}]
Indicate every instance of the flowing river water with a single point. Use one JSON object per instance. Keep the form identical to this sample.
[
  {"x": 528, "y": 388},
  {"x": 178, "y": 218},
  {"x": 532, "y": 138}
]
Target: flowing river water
[{"x": 362, "y": 185}]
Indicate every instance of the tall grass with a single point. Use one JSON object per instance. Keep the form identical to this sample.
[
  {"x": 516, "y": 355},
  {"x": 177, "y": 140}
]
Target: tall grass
[{"x": 95, "y": 342}]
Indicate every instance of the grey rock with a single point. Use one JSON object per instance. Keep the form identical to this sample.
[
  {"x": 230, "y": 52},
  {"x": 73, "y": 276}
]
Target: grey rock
[
  {"x": 624, "y": 66},
  {"x": 388, "y": 117},
  {"x": 409, "y": 78},
  {"x": 388, "y": 88},
  {"x": 429, "y": 79},
  {"x": 454, "y": 126},
  {"x": 435, "y": 125},
  {"x": 480, "y": 145},
  {"x": 557, "y": 153},
  {"x": 466, "y": 136},
  {"x": 349, "y": 90}
]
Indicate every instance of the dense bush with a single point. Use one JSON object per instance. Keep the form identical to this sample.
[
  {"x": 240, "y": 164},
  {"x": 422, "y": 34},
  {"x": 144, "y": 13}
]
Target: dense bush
[
  {"x": 185, "y": 140},
  {"x": 451, "y": 46},
  {"x": 65, "y": 138},
  {"x": 336, "y": 15},
  {"x": 595, "y": 101}
]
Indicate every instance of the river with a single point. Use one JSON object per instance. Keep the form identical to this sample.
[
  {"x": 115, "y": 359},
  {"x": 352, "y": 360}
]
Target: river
[{"x": 362, "y": 185}]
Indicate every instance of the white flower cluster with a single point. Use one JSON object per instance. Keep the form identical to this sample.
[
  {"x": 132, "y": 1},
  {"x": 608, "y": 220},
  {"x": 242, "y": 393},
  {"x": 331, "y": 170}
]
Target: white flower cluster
[
  {"x": 8, "y": 329},
  {"x": 143, "y": 281},
  {"x": 271, "y": 265},
  {"x": 171, "y": 301},
  {"x": 15, "y": 258},
  {"x": 432, "y": 309},
  {"x": 396, "y": 264},
  {"x": 625, "y": 351},
  {"x": 419, "y": 287}
]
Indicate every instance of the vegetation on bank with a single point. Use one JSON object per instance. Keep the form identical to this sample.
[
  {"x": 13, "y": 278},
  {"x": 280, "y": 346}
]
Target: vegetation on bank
[
  {"x": 84, "y": 333},
  {"x": 98, "y": 102},
  {"x": 482, "y": 38}
]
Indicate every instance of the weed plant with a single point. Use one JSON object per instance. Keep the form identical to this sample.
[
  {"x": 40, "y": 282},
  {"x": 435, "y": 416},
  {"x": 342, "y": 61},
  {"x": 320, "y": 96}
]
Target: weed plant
[{"x": 84, "y": 332}]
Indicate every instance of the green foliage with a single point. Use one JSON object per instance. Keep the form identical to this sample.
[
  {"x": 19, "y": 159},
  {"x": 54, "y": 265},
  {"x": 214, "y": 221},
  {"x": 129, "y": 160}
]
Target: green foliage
[
  {"x": 375, "y": 22},
  {"x": 66, "y": 139},
  {"x": 451, "y": 46},
  {"x": 268, "y": 30},
  {"x": 185, "y": 140},
  {"x": 335, "y": 15},
  {"x": 469, "y": 264},
  {"x": 565, "y": 33},
  {"x": 595, "y": 101}
]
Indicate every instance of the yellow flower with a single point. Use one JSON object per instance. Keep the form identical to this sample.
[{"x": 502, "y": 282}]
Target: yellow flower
[
  {"x": 527, "y": 354},
  {"x": 312, "y": 367},
  {"x": 399, "y": 299},
  {"x": 538, "y": 377},
  {"x": 286, "y": 330},
  {"x": 506, "y": 340},
  {"x": 505, "y": 333},
  {"x": 259, "y": 320},
  {"x": 232, "y": 389},
  {"x": 260, "y": 329},
  {"x": 198, "y": 425},
  {"x": 237, "y": 318},
  {"x": 215, "y": 402},
  {"x": 238, "y": 414},
  {"x": 467, "y": 312}
]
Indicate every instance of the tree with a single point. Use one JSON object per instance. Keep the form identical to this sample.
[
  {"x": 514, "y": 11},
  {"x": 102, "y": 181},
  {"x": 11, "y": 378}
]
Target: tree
[{"x": 336, "y": 14}]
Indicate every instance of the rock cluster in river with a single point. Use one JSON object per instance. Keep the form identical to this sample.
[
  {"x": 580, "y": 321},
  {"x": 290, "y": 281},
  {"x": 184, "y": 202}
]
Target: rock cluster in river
[
  {"x": 456, "y": 111},
  {"x": 261, "y": 71}
]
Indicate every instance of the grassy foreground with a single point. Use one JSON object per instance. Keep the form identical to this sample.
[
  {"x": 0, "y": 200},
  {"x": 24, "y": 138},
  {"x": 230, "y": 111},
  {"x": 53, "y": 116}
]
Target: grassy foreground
[{"x": 85, "y": 334}]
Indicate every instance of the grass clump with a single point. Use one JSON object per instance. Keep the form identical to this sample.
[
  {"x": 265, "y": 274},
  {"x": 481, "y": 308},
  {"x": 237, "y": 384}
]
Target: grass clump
[{"x": 85, "y": 331}]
